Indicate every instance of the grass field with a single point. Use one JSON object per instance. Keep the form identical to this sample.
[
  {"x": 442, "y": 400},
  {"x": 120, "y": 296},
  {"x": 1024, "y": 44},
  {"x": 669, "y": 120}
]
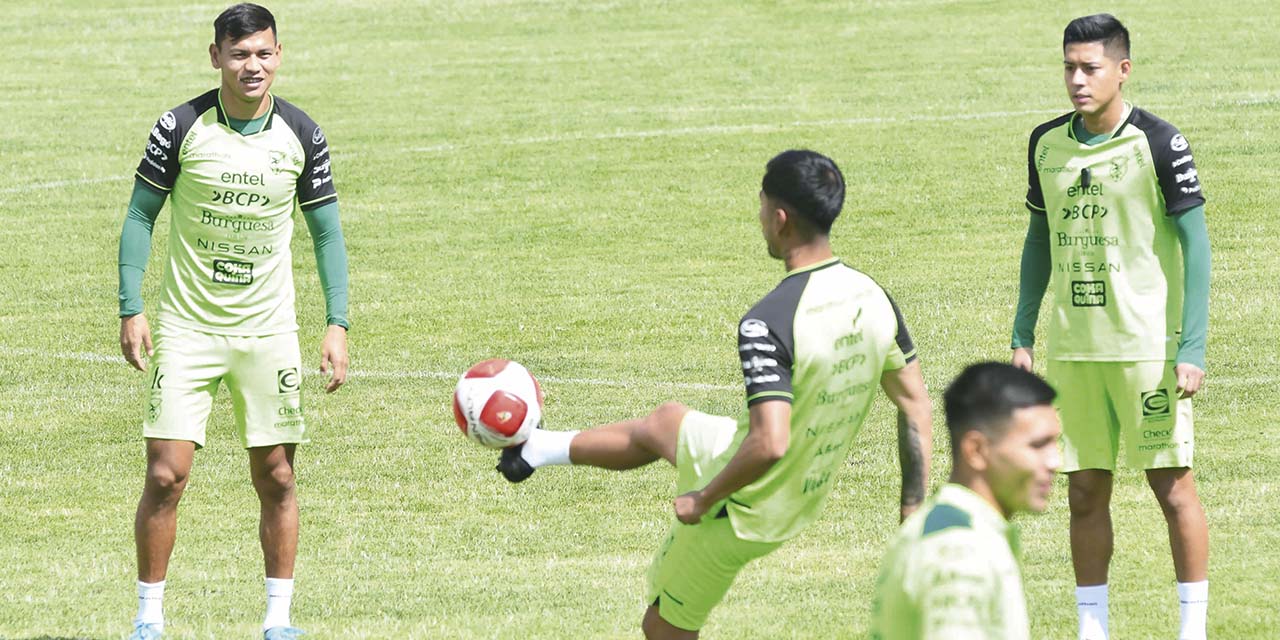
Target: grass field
[{"x": 573, "y": 185}]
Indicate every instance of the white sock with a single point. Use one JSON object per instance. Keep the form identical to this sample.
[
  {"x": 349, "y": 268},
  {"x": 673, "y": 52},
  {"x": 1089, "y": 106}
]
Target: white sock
[
  {"x": 1091, "y": 605},
  {"x": 1193, "y": 604},
  {"x": 279, "y": 597},
  {"x": 150, "y": 603},
  {"x": 547, "y": 447}
]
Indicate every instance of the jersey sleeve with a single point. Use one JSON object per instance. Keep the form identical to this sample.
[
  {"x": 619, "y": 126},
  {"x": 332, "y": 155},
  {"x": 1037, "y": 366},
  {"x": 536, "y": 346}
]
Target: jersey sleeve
[
  {"x": 904, "y": 349},
  {"x": 1035, "y": 197},
  {"x": 1176, "y": 170},
  {"x": 315, "y": 185},
  {"x": 766, "y": 355},
  {"x": 158, "y": 168}
]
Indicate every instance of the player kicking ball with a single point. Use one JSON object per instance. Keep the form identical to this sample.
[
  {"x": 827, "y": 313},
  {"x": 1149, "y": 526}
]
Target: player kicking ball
[
  {"x": 1118, "y": 230},
  {"x": 233, "y": 163},
  {"x": 953, "y": 571},
  {"x": 813, "y": 351}
]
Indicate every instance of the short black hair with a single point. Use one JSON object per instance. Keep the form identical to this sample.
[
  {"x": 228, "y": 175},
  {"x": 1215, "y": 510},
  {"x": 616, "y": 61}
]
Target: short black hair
[
  {"x": 985, "y": 395},
  {"x": 1099, "y": 27},
  {"x": 240, "y": 20},
  {"x": 809, "y": 183}
]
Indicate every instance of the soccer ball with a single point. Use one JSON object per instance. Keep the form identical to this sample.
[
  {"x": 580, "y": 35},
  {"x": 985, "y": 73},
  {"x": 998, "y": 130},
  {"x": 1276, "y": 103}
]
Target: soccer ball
[{"x": 497, "y": 403}]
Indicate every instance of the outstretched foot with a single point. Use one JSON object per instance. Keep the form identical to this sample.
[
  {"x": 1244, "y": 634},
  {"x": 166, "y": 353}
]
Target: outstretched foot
[{"x": 513, "y": 466}]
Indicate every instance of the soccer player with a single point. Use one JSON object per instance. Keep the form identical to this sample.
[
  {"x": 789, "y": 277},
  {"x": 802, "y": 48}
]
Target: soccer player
[
  {"x": 812, "y": 352},
  {"x": 1118, "y": 230},
  {"x": 953, "y": 571},
  {"x": 232, "y": 163}
]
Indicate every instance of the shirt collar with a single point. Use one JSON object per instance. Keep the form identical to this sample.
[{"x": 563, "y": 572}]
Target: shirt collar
[{"x": 977, "y": 506}]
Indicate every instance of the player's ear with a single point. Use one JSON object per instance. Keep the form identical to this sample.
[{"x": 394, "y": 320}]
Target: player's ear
[
  {"x": 1126, "y": 66},
  {"x": 213, "y": 56},
  {"x": 975, "y": 450}
]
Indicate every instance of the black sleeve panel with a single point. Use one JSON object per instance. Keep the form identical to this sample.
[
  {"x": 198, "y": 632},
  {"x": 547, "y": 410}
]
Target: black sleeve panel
[
  {"x": 1035, "y": 197},
  {"x": 315, "y": 183},
  {"x": 766, "y": 342},
  {"x": 159, "y": 165},
  {"x": 905, "y": 344},
  {"x": 1175, "y": 166}
]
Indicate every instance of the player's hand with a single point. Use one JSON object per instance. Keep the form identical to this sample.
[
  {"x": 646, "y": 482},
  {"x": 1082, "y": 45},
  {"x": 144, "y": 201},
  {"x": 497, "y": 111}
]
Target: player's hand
[
  {"x": 690, "y": 507},
  {"x": 1023, "y": 358},
  {"x": 1190, "y": 379},
  {"x": 333, "y": 357},
  {"x": 135, "y": 338}
]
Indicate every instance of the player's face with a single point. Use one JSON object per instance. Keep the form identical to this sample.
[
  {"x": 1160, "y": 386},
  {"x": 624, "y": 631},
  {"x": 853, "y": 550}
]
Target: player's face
[
  {"x": 1022, "y": 464},
  {"x": 1093, "y": 79},
  {"x": 248, "y": 65},
  {"x": 769, "y": 225}
]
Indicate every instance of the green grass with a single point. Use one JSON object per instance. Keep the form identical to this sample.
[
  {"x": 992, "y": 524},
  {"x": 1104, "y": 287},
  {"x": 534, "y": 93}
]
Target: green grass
[{"x": 574, "y": 186}]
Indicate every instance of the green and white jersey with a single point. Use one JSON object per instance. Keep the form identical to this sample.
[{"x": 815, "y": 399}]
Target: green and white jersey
[
  {"x": 232, "y": 198},
  {"x": 1117, "y": 274},
  {"x": 952, "y": 573},
  {"x": 820, "y": 340}
]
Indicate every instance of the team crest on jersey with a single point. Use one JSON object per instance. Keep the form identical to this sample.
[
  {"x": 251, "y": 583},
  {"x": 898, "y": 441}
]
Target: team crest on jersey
[
  {"x": 1119, "y": 167},
  {"x": 277, "y": 161},
  {"x": 168, "y": 121},
  {"x": 317, "y": 137},
  {"x": 752, "y": 328},
  {"x": 1178, "y": 143}
]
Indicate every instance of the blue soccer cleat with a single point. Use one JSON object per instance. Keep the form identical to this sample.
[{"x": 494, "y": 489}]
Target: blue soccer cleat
[
  {"x": 143, "y": 631},
  {"x": 282, "y": 633}
]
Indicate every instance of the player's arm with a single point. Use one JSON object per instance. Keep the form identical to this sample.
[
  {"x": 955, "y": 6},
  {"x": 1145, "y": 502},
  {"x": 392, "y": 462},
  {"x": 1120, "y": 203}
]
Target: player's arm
[
  {"x": 318, "y": 199},
  {"x": 905, "y": 387},
  {"x": 1179, "y": 182},
  {"x": 1033, "y": 280},
  {"x": 1193, "y": 234},
  {"x": 331, "y": 262},
  {"x": 767, "y": 439},
  {"x": 765, "y": 343},
  {"x": 1033, "y": 277},
  {"x": 903, "y": 382},
  {"x": 135, "y": 248}
]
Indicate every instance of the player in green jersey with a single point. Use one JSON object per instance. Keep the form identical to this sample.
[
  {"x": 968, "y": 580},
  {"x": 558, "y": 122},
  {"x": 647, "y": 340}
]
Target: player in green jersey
[
  {"x": 1118, "y": 231},
  {"x": 233, "y": 163},
  {"x": 953, "y": 571},
  {"x": 812, "y": 352}
]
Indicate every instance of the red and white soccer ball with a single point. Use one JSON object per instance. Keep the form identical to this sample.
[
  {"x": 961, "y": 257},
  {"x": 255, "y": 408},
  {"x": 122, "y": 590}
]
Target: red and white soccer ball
[{"x": 497, "y": 403}]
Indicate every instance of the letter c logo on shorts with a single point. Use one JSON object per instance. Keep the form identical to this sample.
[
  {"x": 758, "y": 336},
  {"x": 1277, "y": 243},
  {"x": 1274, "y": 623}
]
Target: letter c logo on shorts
[
  {"x": 287, "y": 380},
  {"x": 752, "y": 328},
  {"x": 1155, "y": 403}
]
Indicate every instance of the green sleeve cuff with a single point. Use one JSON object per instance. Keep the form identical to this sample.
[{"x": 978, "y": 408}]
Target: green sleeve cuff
[
  {"x": 331, "y": 260},
  {"x": 1194, "y": 236},
  {"x": 1032, "y": 281},
  {"x": 135, "y": 245}
]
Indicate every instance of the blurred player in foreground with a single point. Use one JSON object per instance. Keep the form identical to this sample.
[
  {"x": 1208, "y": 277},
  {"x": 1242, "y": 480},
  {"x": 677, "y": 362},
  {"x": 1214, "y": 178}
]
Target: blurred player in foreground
[{"x": 953, "y": 571}]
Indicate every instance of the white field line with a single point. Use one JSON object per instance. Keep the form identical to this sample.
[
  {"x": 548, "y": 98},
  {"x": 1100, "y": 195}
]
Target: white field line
[
  {"x": 58, "y": 184},
  {"x": 623, "y": 135},
  {"x": 742, "y": 128},
  {"x": 397, "y": 375}
]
